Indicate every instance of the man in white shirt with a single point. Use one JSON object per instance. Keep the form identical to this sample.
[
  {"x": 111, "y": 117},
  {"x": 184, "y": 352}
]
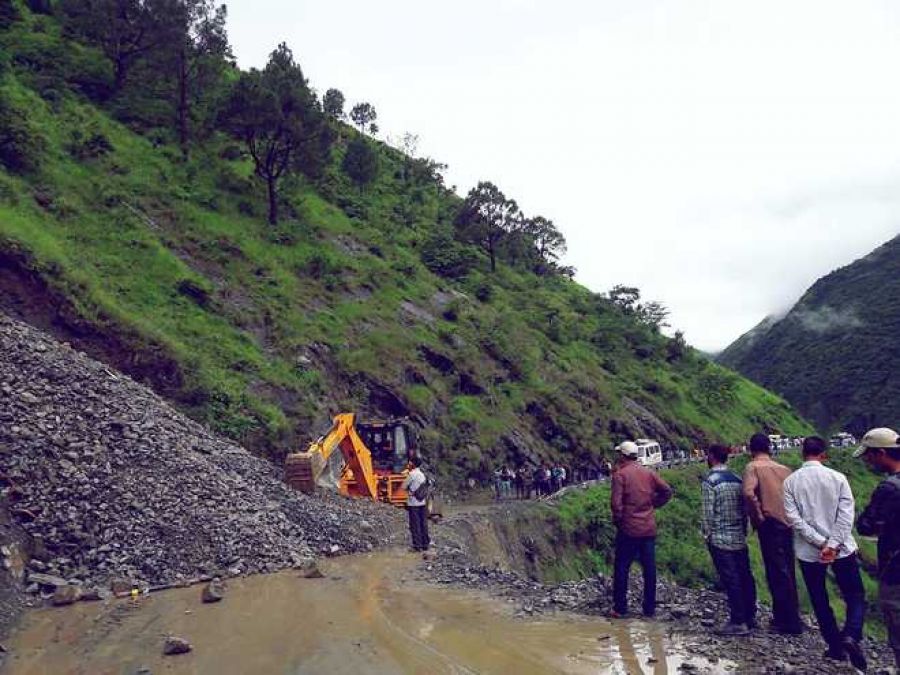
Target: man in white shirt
[
  {"x": 818, "y": 504},
  {"x": 416, "y": 508}
]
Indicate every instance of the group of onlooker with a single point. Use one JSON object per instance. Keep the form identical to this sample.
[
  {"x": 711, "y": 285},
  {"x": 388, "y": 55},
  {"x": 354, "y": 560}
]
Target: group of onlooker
[
  {"x": 806, "y": 515},
  {"x": 544, "y": 479}
]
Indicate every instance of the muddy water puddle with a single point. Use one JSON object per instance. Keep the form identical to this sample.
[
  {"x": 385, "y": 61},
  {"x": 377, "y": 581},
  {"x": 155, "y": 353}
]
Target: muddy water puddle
[{"x": 361, "y": 618}]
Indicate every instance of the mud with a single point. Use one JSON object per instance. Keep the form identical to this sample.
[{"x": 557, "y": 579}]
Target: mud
[{"x": 366, "y": 615}]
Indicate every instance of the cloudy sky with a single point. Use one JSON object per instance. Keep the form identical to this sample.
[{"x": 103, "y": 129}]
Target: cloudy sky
[{"x": 720, "y": 155}]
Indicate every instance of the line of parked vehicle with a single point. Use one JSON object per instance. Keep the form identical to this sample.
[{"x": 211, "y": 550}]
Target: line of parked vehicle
[{"x": 650, "y": 452}]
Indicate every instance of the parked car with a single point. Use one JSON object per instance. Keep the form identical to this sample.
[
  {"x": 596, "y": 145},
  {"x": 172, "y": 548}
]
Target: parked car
[{"x": 649, "y": 452}]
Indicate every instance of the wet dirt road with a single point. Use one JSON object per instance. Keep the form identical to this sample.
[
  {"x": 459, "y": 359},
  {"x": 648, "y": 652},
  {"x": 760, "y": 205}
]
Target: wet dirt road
[{"x": 362, "y": 618}]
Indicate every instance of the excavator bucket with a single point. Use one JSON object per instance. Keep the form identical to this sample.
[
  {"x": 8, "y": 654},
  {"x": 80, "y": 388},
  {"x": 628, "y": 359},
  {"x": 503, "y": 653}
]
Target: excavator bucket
[{"x": 301, "y": 470}]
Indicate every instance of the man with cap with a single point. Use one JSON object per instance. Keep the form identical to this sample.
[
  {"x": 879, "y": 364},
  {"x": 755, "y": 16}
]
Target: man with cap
[
  {"x": 636, "y": 493},
  {"x": 881, "y": 450}
]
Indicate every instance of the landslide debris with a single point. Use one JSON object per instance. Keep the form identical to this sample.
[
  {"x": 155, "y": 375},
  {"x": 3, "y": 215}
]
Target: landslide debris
[{"x": 111, "y": 484}]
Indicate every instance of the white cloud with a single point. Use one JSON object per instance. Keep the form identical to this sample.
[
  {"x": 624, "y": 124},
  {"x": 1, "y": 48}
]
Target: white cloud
[{"x": 721, "y": 155}]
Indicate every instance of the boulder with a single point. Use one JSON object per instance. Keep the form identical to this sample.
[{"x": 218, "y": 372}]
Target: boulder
[
  {"x": 176, "y": 645},
  {"x": 310, "y": 570},
  {"x": 66, "y": 595},
  {"x": 214, "y": 591}
]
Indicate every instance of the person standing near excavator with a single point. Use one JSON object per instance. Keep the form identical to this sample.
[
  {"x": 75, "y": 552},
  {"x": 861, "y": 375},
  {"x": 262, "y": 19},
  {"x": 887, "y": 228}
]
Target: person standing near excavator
[{"x": 416, "y": 486}]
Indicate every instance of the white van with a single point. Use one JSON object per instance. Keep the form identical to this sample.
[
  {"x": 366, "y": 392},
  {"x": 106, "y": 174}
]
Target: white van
[
  {"x": 842, "y": 440},
  {"x": 649, "y": 452}
]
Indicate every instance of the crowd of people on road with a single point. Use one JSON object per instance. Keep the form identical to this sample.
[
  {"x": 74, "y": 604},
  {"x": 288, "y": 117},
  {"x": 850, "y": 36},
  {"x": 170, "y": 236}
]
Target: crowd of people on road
[
  {"x": 807, "y": 515},
  {"x": 542, "y": 480}
]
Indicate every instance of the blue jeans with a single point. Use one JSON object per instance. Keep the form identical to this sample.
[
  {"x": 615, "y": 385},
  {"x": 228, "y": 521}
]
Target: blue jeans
[
  {"x": 629, "y": 549},
  {"x": 737, "y": 579},
  {"x": 846, "y": 573}
]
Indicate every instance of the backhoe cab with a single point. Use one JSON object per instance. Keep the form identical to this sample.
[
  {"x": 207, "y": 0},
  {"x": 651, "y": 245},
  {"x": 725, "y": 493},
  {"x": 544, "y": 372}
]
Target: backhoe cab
[{"x": 371, "y": 461}]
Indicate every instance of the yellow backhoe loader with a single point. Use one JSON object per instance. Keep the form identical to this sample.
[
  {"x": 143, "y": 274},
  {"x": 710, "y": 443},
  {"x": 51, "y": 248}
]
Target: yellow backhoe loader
[{"x": 370, "y": 462}]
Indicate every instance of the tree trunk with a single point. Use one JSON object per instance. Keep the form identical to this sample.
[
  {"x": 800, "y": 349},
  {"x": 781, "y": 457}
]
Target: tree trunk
[
  {"x": 121, "y": 71},
  {"x": 183, "y": 111},
  {"x": 273, "y": 200}
]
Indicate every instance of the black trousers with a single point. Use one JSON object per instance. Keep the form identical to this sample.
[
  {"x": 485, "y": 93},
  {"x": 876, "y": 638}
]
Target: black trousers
[
  {"x": 628, "y": 549},
  {"x": 776, "y": 541},
  {"x": 734, "y": 573},
  {"x": 418, "y": 527},
  {"x": 849, "y": 581}
]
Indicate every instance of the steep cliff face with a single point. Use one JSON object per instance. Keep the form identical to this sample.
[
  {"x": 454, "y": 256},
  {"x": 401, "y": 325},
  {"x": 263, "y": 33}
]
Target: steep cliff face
[{"x": 835, "y": 354}]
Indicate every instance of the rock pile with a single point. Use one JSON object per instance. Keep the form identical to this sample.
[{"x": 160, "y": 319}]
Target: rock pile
[{"x": 110, "y": 483}]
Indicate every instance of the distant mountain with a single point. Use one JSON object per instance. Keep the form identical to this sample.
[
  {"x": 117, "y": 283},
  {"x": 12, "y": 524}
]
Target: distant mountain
[{"x": 835, "y": 354}]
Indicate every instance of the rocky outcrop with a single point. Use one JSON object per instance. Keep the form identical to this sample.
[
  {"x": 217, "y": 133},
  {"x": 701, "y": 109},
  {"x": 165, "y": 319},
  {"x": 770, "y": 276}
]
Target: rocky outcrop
[{"x": 108, "y": 482}]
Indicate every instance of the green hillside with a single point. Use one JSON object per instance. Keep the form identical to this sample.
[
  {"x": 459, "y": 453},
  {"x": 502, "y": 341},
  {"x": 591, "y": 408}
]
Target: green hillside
[
  {"x": 834, "y": 354},
  {"x": 135, "y": 223}
]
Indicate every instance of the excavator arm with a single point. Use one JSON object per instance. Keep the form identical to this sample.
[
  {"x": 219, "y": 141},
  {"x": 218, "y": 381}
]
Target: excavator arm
[{"x": 304, "y": 470}]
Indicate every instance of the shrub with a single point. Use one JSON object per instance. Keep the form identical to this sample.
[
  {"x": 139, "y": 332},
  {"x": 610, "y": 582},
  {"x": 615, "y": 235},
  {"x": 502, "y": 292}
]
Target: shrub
[
  {"x": 445, "y": 256},
  {"x": 453, "y": 310},
  {"x": 484, "y": 291},
  {"x": 88, "y": 144},
  {"x": 320, "y": 265},
  {"x": 360, "y": 162},
  {"x": 62, "y": 208},
  {"x": 22, "y": 146}
]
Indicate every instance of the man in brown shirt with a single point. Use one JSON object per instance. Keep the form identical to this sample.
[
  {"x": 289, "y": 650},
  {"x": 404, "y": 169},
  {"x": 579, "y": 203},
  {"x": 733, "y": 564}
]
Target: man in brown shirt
[
  {"x": 636, "y": 494},
  {"x": 764, "y": 496}
]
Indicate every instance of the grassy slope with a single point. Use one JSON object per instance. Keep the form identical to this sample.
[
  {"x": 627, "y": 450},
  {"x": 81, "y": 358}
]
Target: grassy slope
[
  {"x": 275, "y": 329},
  {"x": 681, "y": 552}
]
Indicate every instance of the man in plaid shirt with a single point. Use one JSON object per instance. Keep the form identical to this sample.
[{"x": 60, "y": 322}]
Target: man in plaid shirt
[{"x": 724, "y": 526}]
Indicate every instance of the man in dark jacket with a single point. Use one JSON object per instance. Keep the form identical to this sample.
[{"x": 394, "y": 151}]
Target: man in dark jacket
[
  {"x": 881, "y": 450},
  {"x": 724, "y": 526},
  {"x": 636, "y": 494}
]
